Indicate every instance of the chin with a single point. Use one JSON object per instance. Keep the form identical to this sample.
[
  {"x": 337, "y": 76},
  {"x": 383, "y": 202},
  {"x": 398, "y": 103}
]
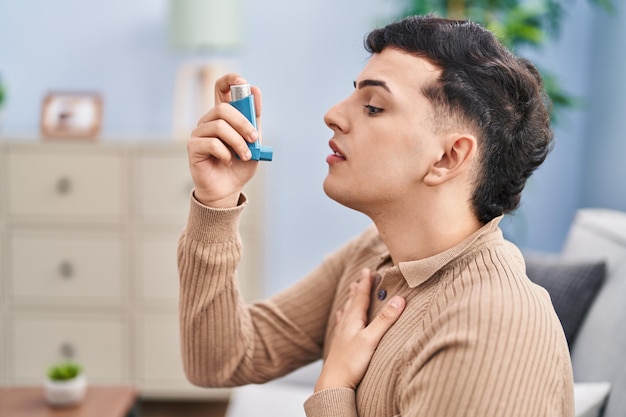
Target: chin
[
  {"x": 342, "y": 195},
  {"x": 333, "y": 191}
]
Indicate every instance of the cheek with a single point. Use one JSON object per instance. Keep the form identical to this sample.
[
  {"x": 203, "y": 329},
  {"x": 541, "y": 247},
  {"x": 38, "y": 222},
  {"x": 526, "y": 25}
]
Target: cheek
[
  {"x": 400, "y": 159},
  {"x": 388, "y": 173}
]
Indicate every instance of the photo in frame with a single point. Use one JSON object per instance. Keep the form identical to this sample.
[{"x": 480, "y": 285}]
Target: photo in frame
[{"x": 69, "y": 115}]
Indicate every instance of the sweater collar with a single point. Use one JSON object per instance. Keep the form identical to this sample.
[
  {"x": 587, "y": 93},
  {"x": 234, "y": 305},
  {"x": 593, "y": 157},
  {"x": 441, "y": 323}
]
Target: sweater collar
[{"x": 417, "y": 272}]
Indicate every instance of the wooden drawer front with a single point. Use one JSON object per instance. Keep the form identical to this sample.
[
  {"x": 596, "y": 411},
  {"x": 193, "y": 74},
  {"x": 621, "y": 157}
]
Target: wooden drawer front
[
  {"x": 3, "y": 262},
  {"x": 159, "y": 365},
  {"x": 157, "y": 271},
  {"x": 163, "y": 188},
  {"x": 3, "y": 347},
  {"x": 94, "y": 342},
  {"x": 158, "y": 355},
  {"x": 51, "y": 184},
  {"x": 84, "y": 268}
]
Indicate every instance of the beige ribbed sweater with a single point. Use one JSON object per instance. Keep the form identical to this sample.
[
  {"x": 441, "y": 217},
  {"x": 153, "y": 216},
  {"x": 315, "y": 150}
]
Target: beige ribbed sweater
[{"x": 477, "y": 338}]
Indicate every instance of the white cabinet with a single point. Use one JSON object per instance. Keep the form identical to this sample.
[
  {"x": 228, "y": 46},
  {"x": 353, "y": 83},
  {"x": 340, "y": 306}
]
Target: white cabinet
[
  {"x": 164, "y": 184},
  {"x": 40, "y": 339},
  {"x": 3, "y": 296},
  {"x": 63, "y": 267},
  {"x": 77, "y": 184},
  {"x": 88, "y": 261}
]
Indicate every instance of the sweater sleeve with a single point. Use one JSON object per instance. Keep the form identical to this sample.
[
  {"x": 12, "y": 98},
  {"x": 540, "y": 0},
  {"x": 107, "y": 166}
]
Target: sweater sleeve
[
  {"x": 224, "y": 341},
  {"x": 331, "y": 402}
]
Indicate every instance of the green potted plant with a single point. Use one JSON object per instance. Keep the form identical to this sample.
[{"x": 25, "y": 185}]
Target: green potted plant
[
  {"x": 65, "y": 384},
  {"x": 2, "y": 93},
  {"x": 2, "y": 98}
]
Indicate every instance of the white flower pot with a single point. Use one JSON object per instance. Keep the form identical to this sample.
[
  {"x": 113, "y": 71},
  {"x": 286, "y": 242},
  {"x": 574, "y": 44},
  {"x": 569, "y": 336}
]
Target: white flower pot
[{"x": 65, "y": 393}]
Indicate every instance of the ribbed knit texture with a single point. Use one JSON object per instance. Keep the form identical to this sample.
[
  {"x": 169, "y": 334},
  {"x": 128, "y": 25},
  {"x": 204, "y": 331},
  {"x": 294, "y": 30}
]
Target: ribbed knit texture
[{"x": 477, "y": 338}]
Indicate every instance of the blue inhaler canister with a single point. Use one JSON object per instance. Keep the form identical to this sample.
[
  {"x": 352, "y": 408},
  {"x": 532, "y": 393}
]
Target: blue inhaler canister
[{"x": 243, "y": 100}]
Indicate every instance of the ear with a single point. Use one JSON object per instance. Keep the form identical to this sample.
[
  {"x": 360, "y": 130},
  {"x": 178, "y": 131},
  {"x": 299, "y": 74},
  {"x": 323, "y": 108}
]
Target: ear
[{"x": 457, "y": 158}]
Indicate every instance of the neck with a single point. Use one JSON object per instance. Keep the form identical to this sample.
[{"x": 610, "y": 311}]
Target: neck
[{"x": 415, "y": 231}]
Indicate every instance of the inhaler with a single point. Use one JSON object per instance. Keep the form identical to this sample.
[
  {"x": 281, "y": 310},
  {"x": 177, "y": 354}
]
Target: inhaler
[{"x": 243, "y": 100}]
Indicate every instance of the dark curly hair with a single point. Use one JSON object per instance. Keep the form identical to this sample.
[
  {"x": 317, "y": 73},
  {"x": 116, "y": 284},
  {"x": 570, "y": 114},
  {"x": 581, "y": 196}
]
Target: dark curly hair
[{"x": 498, "y": 95}]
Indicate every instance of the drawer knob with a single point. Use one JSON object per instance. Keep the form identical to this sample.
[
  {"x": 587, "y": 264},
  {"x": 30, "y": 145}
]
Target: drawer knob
[
  {"x": 67, "y": 350},
  {"x": 66, "y": 269},
  {"x": 64, "y": 186}
]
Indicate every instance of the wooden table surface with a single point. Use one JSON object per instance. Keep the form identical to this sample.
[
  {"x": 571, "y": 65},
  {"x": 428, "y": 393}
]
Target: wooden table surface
[{"x": 99, "y": 401}]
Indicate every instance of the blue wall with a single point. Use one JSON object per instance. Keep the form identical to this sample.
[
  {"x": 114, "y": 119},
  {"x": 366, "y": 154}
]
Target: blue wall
[
  {"x": 311, "y": 50},
  {"x": 605, "y": 145}
]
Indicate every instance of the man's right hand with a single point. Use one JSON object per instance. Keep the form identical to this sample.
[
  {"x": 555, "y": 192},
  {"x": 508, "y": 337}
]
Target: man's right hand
[{"x": 222, "y": 135}]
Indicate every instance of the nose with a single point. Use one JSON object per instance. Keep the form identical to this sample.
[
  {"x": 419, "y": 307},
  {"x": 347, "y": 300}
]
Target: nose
[{"x": 335, "y": 118}]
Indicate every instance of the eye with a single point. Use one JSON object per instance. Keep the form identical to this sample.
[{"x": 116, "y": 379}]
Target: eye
[{"x": 372, "y": 111}]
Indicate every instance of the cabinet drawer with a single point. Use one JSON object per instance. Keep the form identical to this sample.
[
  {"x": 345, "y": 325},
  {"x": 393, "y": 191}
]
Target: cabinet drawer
[
  {"x": 78, "y": 268},
  {"x": 157, "y": 270},
  {"x": 164, "y": 185},
  {"x": 3, "y": 262},
  {"x": 158, "y": 361},
  {"x": 3, "y": 346},
  {"x": 75, "y": 186},
  {"x": 158, "y": 348},
  {"x": 95, "y": 342}
]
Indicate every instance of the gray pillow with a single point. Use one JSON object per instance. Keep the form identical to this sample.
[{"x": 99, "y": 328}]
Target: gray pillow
[{"x": 572, "y": 286}]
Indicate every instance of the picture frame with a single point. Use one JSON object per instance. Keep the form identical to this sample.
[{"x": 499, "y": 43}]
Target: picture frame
[{"x": 71, "y": 115}]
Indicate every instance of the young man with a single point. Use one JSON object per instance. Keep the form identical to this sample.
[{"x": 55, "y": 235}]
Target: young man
[{"x": 427, "y": 313}]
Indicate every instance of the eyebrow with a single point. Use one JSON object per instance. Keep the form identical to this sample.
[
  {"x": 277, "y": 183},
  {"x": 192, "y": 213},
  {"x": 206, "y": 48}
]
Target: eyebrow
[{"x": 372, "y": 83}]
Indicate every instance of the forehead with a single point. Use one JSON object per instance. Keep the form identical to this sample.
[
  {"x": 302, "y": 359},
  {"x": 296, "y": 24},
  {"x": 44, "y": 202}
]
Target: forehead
[{"x": 400, "y": 70}]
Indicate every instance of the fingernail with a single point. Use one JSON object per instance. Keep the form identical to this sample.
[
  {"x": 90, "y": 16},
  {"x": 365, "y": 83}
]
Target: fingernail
[
  {"x": 247, "y": 154},
  {"x": 395, "y": 302},
  {"x": 254, "y": 136}
]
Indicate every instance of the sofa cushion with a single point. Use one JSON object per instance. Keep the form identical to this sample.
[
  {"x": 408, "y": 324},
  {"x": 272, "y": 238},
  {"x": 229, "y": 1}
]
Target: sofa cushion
[
  {"x": 572, "y": 286},
  {"x": 590, "y": 398},
  {"x": 599, "y": 353}
]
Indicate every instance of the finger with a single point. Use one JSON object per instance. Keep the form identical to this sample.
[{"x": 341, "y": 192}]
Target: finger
[
  {"x": 224, "y": 119},
  {"x": 258, "y": 107},
  {"x": 338, "y": 317},
  {"x": 351, "y": 291},
  {"x": 222, "y": 87},
  {"x": 234, "y": 118},
  {"x": 385, "y": 319},
  {"x": 201, "y": 149},
  {"x": 359, "y": 300},
  {"x": 225, "y": 132},
  {"x": 363, "y": 290}
]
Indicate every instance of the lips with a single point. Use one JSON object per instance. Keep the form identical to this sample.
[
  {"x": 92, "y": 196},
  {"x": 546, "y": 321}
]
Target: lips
[
  {"x": 337, "y": 155},
  {"x": 336, "y": 151}
]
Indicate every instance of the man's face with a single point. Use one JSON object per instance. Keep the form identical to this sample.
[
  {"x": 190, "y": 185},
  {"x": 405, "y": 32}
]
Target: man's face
[{"x": 383, "y": 134}]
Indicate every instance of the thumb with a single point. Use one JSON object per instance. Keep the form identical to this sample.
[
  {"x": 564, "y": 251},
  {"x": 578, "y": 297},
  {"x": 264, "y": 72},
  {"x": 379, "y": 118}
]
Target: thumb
[
  {"x": 222, "y": 87},
  {"x": 386, "y": 318}
]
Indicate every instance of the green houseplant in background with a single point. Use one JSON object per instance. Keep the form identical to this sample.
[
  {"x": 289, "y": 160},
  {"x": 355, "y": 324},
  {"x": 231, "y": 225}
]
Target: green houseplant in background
[
  {"x": 3, "y": 96},
  {"x": 2, "y": 93},
  {"x": 65, "y": 384},
  {"x": 517, "y": 23}
]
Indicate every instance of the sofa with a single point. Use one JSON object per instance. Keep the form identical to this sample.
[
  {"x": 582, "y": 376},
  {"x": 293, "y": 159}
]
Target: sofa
[
  {"x": 587, "y": 283},
  {"x": 599, "y": 350}
]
